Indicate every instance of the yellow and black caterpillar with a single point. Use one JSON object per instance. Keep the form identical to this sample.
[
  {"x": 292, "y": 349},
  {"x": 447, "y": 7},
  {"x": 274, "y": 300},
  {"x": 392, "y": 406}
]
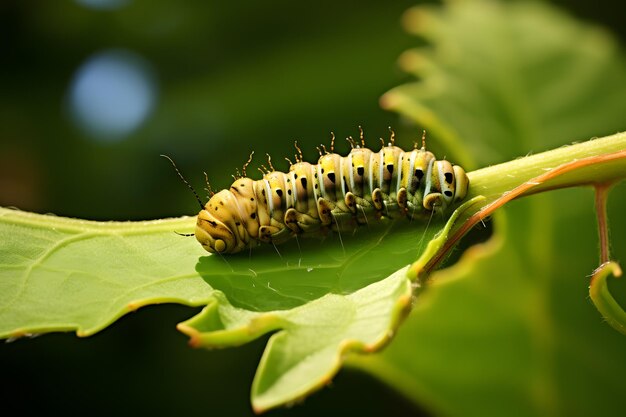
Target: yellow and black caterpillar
[{"x": 337, "y": 192}]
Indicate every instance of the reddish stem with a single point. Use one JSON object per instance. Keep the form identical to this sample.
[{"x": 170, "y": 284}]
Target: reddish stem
[
  {"x": 516, "y": 192},
  {"x": 602, "y": 191}
]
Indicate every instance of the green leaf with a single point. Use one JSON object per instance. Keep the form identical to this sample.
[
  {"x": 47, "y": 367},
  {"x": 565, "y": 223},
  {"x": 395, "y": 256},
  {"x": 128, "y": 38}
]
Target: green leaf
[
  {"x": 327, "y": 299},
  {"x": 290, "y": 275},
  {"x": 313, "y": 338},
  {"x": 504, "y": 79},
  {"x": 60, "y": 274},
  {"x": 510, "y": 327}
]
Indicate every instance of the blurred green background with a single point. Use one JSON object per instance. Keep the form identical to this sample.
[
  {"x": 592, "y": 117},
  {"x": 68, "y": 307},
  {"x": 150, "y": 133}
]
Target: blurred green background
[{"x": 206, "y": 83}]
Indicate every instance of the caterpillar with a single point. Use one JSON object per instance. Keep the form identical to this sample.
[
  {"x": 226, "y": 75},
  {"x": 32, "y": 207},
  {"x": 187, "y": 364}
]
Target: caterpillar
[{"x": 336, "y": 193}]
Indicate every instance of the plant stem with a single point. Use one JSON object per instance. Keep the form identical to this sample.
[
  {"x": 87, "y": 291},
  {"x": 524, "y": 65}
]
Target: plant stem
[{"x": 497, "y": 179}]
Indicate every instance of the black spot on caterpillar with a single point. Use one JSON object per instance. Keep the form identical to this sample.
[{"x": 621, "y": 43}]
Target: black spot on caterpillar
[{"x": 415, "y": 182}]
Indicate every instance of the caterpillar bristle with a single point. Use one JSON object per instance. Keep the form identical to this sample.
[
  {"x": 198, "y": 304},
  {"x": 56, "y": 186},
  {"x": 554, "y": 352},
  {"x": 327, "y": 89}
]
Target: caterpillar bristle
[
  {"x": 299, "y": 155},
  {"x": 269, "y": 162},
  {"x": 392, "y": 137},
  {"x": 362, "y": 136},
  {"x": 245, "y": 166}
]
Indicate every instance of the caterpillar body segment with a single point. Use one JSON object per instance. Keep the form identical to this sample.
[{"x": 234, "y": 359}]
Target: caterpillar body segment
[{"x": 336, "y": 193}]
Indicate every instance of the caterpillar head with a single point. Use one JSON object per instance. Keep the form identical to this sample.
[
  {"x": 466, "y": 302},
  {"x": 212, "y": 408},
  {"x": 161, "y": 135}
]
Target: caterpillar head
[
  {"x": 228, "y": 219},
  {"x": 212, "y": 228}
]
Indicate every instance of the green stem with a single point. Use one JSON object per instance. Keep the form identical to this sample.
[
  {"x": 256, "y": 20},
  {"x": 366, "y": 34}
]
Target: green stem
[
  {"x": 495, "y": 180},
  {"x": 602, "y": 298},
  {"x": 600, "y": 161}
]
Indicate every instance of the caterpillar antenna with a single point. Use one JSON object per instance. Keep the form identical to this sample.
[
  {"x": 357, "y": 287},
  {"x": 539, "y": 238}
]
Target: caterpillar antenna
[{"x": 185, "y": 181}]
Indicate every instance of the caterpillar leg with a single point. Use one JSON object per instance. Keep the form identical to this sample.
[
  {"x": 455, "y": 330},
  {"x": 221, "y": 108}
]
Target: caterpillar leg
[
  {"x": 291, "y": 220},
  {"x": 266, "y": 232},
  {"x": 434, "y": 202},
  {"x": 300, "y": 222},
  {"x": 350, "y": 201},
  {"x": 402, "y": 199},
  {"x": 377, "y": 199},
  {"x": 325, "y": 208},
  {"x": 269, "y": 234}
]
